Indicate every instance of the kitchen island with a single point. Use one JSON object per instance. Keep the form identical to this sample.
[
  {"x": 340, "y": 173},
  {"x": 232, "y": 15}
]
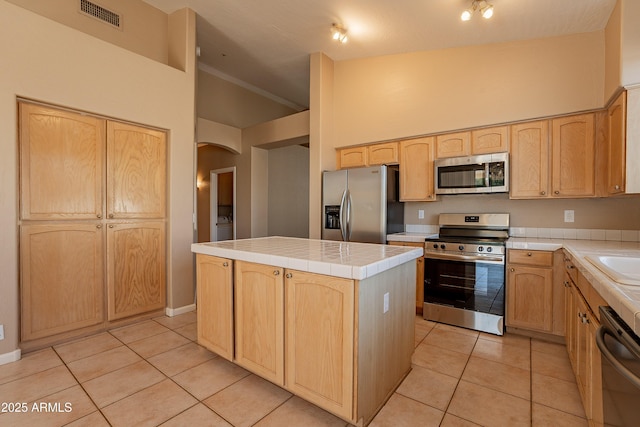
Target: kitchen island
[{"x": 331, "y": 322}]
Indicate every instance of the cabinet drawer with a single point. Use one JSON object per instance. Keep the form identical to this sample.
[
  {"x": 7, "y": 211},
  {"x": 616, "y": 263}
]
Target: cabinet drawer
[{"x": 528, "y": 257}]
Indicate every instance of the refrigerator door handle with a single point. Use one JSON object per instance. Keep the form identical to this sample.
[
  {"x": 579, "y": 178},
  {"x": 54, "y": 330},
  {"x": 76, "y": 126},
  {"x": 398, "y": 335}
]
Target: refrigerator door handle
[
  {"x": 343, "y": 222},
  {"x": 349, "y": 228}
]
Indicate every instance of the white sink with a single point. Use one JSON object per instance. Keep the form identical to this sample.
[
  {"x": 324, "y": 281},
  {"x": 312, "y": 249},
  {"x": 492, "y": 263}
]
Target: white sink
[{"x": 621, "y": 269}]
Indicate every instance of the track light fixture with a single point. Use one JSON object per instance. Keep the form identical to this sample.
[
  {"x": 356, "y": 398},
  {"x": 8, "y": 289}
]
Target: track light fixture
[
  {"x": 486, "y": 10},
  {"x": 339, "y": 33}
]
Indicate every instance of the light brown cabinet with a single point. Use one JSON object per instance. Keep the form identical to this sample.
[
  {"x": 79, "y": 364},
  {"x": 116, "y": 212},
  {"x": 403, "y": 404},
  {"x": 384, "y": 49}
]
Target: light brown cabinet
[
  {"x": 616, "y": 145},
  {"x": 490, "y": 140},
  {"x": 559, "y": 165},
  {"x": 369, "y": 155},
  {"x": 259, "y": 319},
  {"x": 320, "y": 340},
  {"x": 215, "y": 304},
  {"x": 453, "y": 145},
  {"x": 416, "y": 170},
  {"x": 84, "y": 177},
  {"x": 584, "y": 354},
  {"x": 61, "y": 268},
  {"x": 135, "y": 268},
  {"x": 530, "y": 290}
]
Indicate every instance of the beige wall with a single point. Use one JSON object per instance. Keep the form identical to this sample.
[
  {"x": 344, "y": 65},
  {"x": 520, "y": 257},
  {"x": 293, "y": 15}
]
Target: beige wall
[
  {"x": 62, "y": 66},
  {"x": 397, "y": 96},
  {"x": 288, "y": 213},
  {"x": 613, "y": 59},
  {"x": 617, "y": 213},
  {"x": 143, "y": 28},
  {"x": 227, "y": 103},
  {"x": 630, "y": 42}
]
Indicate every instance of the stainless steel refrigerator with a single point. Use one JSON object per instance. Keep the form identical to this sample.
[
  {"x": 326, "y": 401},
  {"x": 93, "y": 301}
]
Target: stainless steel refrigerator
[{"x": 361, "y": 204}]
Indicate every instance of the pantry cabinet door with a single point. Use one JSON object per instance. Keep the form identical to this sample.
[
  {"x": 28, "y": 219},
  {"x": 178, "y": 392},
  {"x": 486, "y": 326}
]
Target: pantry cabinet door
[
  {"x": 61, "y": 164},
  {"x": 136, "y": 172},
  {"x": 135, "y": 268},
  {"x": 61, "y": 278}
]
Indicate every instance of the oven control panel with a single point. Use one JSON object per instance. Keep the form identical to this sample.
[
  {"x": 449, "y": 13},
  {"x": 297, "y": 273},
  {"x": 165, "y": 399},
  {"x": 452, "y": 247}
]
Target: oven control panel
[{"x": 465, "y": 248}]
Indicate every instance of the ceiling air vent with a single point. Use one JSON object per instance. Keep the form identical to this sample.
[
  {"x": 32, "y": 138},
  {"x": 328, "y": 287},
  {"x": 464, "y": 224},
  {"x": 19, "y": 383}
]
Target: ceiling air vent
[{"x": 100, "y": 13}]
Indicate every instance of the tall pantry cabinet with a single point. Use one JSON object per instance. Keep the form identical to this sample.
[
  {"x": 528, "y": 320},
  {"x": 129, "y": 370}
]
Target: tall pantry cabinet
[{"x": 92, "y": 221}]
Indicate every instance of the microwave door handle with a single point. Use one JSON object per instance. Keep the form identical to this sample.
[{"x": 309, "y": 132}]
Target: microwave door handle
[{"x": 486, "y": 174}]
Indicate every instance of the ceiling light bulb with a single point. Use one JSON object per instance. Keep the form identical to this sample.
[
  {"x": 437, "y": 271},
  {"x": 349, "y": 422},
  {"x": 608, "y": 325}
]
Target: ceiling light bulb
[
  {"x": 487, "y": 11},
  {"x": 466, "y": 15}
]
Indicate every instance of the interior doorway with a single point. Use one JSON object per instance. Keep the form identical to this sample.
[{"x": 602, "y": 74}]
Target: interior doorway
[{"x": 222, "y": 204}]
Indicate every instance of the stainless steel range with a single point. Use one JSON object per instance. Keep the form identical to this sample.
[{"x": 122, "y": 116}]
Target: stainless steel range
[{"x": 464, "y": 272}]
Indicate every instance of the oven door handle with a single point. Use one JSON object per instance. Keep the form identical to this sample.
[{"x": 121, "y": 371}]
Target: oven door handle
[
  {"x": 600, "y": 333},
  {"x": 460, "y": 257}
]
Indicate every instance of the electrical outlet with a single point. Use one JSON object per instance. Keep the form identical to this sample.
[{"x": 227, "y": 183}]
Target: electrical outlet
[
  {"x": 420, "y": 213},
  {"x": 569, "y": 216},
  {"x": 1, "y": 332},
  {"x": 385, "y": 307}
]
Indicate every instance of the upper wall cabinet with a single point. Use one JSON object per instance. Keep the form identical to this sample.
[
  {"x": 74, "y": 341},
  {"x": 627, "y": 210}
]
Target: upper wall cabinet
[
  {"x": 136, "y": 172},
  {"x": 61, "y": 161},
  {"x": 416, "y": 170},
  {"x": 369, "y": 155},
  {"x": 616, "y": 130},
  {"x": 490, "y": 140},
  {"x": 453, "y": 145},
  {"x": 573, "y": 156},
  {"x": 561, "y": 166}
]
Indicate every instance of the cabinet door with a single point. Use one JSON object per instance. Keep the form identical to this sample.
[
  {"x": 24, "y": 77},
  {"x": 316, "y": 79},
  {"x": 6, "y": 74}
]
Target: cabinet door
[
  {"x": 453, "y": 145},
  {"x": 259, "y": 307},
  {"x": 136, "y": 172},
  {"x": 320, "y": 340},
  {"x": 61, "y": 164},
  {"x": 490, "y": 140},
  {"x": 616, "y": 142},
  {"x": 573, "y": 142},
  {"x": 529, "y": 298},
  {"x": 135, "y": 268},
  {"x": 419, "y": 275},
  {"x": 416, "y": 170},
  {"x": 352, "y": 157},
  {"x": 382, "y": 154},
  {"x": 215, "y": 304},
  {"x": 530, "y": 160},
  {"x": 571, "y": 319},
  {"x": 61, "y": 274}
]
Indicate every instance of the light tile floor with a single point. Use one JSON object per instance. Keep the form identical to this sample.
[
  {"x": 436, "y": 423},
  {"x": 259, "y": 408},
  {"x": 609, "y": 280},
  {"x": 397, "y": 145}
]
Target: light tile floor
[{"x": 153, "y": 373}]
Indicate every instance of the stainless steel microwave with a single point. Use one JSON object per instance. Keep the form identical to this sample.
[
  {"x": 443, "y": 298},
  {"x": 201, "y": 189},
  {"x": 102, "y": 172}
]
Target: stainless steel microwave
[{"x": 484, "y": 173}]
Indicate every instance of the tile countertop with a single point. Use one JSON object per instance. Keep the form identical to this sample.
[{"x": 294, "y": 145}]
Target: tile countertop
[
  {"x": 340, "y": 259},
  {"x": 624, "y": 299}
]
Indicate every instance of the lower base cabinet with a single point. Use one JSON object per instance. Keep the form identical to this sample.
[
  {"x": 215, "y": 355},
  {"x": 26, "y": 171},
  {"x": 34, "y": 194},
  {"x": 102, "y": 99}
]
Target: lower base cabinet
[
  {"x": 323, "y": 338},
  {"x": 419, "y": 274}
]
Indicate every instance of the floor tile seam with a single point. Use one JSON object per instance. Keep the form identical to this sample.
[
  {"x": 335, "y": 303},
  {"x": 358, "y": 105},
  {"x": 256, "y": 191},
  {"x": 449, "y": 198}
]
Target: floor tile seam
[
  {"x": 573, "y": 381},
  {"x": 34, "y": 373},
  {"x": 510, "y": 344},
  {"x": 449, "y": 349},
  {"x": 175, "y": 348},
  {"x": 174, "y": 328},
  {"x": 91, "y": 355},
  {"x": 273, "y": 410},
  {"x": 110, "y": 331},
  {"x": 557, "y": 409},
  {"x": 162, "y": 352},
  {"x": 497, "y": 361},
  {"x": 494, "y": 388},
  {"x": 422, "y": 403},
  {"x": 458, "y": 379},
  {"x": 40, "y": 372}
]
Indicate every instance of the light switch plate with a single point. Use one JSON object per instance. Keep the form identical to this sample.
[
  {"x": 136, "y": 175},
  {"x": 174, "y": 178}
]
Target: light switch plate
[
  {"x": 1, "y": 332},
  {"x": 386, "y": 303},
  {"x": 420, "y": 213},
  {"x": 569, "y": 216}
]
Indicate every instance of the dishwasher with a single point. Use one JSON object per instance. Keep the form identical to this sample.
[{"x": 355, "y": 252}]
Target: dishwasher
[{"x": 620, "y": 348}]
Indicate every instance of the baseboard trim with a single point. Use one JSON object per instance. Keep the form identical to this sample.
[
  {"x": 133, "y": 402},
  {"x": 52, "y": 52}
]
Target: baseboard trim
[
  {"x": 171, "y": 312},
  {"x": 14, "y": 356}
]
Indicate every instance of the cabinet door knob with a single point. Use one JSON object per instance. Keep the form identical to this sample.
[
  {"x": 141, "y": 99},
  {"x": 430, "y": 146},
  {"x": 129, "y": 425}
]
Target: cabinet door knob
[
  {"x": 225, "y": 264},
  {"x": 566, "y": 284},
  {"x": 99, "y": 216},
  {"x": 529, "y": 254},
  {"x": 512, "y": 269},
  {"x": 543, "y": 193},
  {"x": 289, "y": 276},
  {"x": 99, "y": 226},
  {"x": 556, "y": 192},
  {"x": 110, "y": 225},
  {"x": 110, "y": 215},
  {"x": 617, "y": 187},
  {"x": 276, "y": 272}
]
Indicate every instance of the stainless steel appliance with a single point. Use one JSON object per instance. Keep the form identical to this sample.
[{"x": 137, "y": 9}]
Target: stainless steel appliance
[
  {"x": 361, "y": 204},
  {"x": 464, "y": 272},
  {"x": 620, "y": 348},
  {"x": 485, "y": 173}
]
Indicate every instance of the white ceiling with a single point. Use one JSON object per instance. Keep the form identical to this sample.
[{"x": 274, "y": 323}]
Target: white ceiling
[{"x": 265, "y": 44}]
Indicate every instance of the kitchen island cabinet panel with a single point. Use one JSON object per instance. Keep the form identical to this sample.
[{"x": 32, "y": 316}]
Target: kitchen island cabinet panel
[
  {"x": 61, "y": 286},
  {"x": 215, "y": 304},
  {"x": 259, "y": 319},
  {"x": 320, "y": 344}
]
